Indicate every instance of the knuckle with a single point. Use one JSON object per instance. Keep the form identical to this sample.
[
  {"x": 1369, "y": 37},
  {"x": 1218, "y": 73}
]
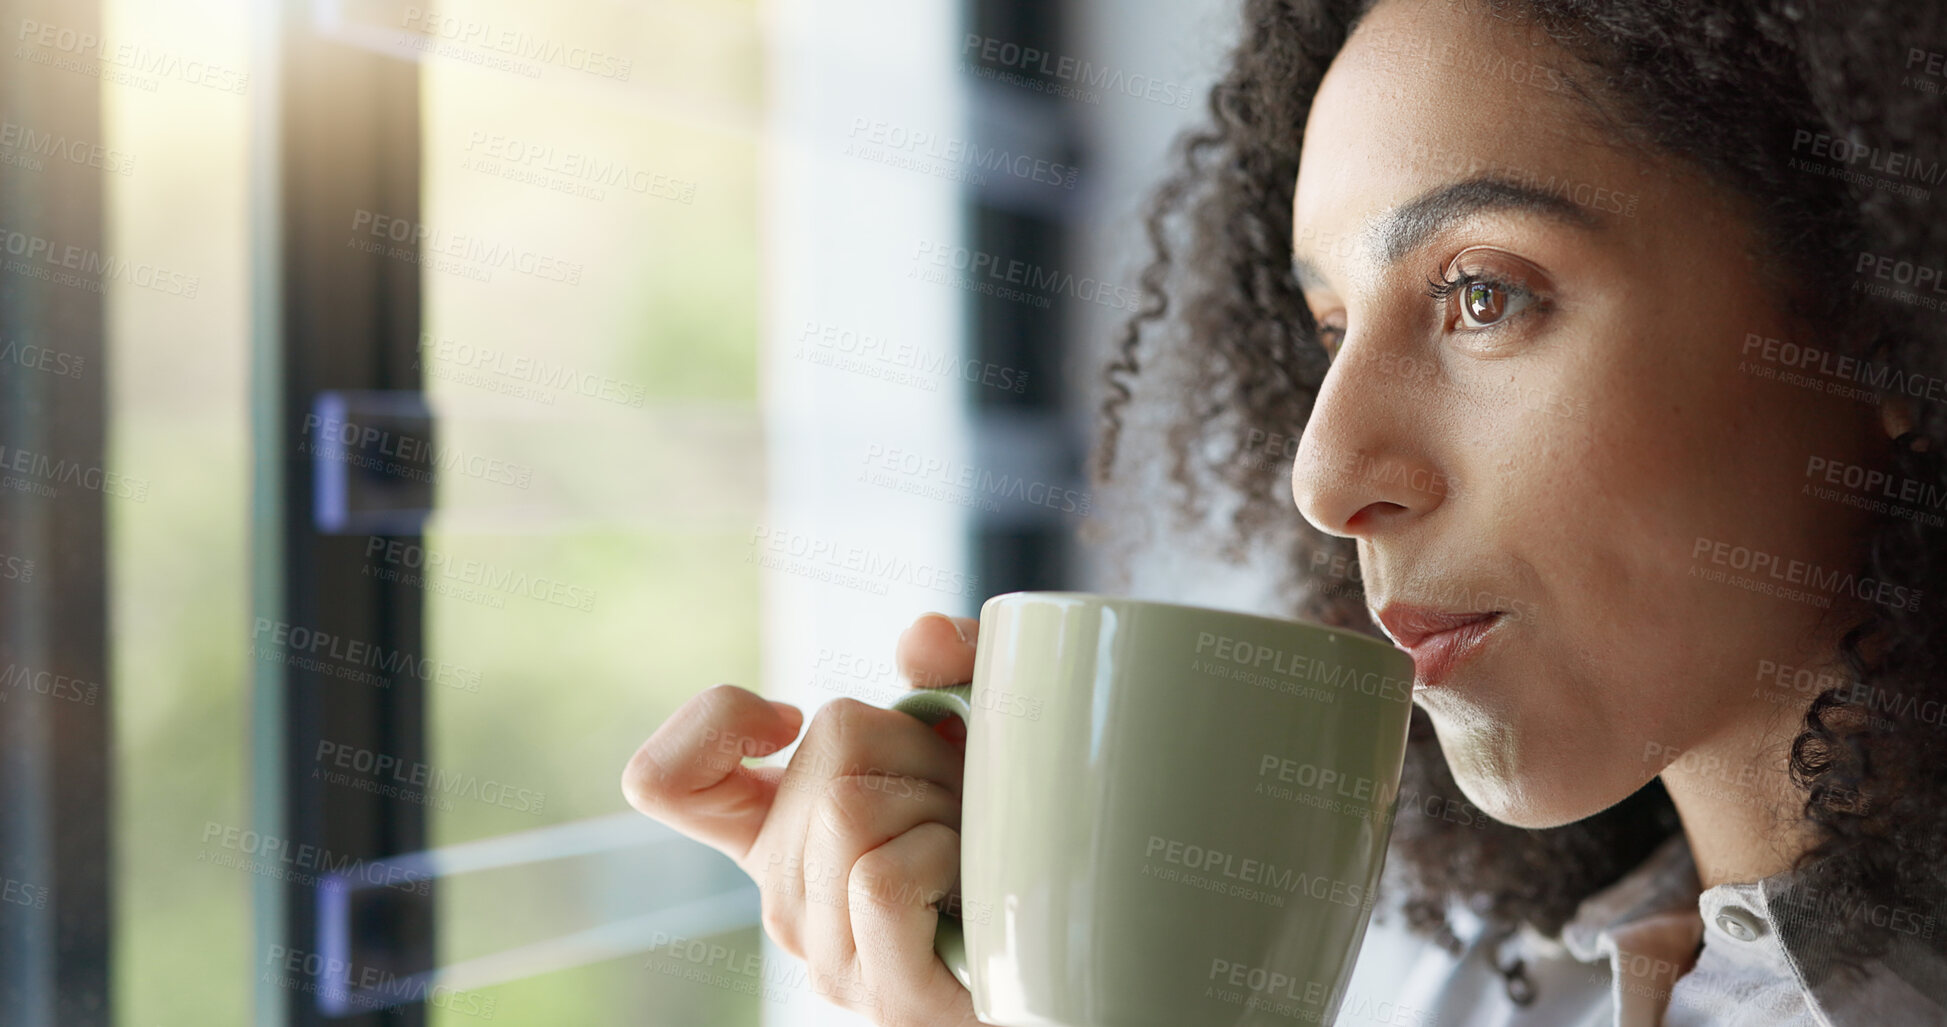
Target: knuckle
[
  {"x": 845, "y": 722},
  {"x": 647, "y": 782},
  {"x": 780, "y": 921},
  {"x": 644, "y": 782},
  {"x": 774, "y": 873},
  {"x": 722, "y": 691},
  {"x": 714, "y": 702},
  {"x": 887, "y": 880},
  {"x": 849, "y": 805},
  {"x": 834, "y": 976}
]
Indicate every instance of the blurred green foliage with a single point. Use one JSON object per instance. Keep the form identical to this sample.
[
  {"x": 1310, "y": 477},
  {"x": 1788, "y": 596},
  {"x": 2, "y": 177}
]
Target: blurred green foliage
[{"x": 669, "y": 302}]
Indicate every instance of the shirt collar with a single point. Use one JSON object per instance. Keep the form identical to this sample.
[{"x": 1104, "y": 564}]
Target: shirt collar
[
  {"x": 1664, "y": 881},
  {"x": 1779, "y": 922}
]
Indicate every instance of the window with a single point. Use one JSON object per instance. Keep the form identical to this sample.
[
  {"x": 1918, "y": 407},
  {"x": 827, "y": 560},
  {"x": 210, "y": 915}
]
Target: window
[{"x": 485, "y": 379}]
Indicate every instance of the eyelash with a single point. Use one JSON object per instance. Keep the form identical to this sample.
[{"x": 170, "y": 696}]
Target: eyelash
[
  {"x": 1329, "y": 337},
  {"x": 1441, "y": 288}
]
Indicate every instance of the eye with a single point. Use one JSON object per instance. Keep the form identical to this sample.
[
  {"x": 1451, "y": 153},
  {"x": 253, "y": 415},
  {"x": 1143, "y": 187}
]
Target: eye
[
  {"x": 1484, "y": 303},
  {"x": 1479, "y": 299},
  {"x": 1330, "y": 336},
  {"x": 1328, "y": 328}
]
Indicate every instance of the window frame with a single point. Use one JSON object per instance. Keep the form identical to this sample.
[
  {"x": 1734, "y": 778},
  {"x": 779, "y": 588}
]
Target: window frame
[
  {"x": 336, "y": 130},
  {"x": 56, "y": 759}
]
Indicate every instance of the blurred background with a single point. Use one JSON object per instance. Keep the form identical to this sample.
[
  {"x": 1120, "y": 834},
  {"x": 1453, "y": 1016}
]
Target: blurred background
[{"x": 408, "y": 405}]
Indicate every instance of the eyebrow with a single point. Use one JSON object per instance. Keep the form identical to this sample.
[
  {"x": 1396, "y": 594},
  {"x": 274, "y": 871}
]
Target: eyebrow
[{"x": 1407, "y": 226}]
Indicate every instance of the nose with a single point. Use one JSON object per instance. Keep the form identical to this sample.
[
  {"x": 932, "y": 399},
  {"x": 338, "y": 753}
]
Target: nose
[{"x": 1363, "y": 464}]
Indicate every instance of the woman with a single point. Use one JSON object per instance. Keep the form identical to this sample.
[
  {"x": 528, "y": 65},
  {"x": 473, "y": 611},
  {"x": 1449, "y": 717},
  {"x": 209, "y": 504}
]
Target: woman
[{"x": 1613, "y": 342}]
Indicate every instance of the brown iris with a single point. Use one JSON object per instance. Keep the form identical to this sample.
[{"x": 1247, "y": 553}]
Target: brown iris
[{"x": 1485, "y": 303}]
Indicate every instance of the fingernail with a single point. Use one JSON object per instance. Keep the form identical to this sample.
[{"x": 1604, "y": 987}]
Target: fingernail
[{"x": 954, "y": 624}]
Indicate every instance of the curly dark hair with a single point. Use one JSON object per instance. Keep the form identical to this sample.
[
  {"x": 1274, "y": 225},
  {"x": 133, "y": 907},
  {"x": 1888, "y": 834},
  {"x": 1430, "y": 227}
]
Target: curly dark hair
[{"x": 1719, "y": 84}]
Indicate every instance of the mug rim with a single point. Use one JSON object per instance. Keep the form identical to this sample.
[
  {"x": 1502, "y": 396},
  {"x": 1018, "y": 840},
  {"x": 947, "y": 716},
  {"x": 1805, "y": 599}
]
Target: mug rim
[{"x": 1098, "y": 597}]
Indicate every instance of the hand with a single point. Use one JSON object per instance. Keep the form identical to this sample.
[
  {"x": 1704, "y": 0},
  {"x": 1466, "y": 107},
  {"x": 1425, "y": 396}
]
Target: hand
[{"x": 855, "y": 845}]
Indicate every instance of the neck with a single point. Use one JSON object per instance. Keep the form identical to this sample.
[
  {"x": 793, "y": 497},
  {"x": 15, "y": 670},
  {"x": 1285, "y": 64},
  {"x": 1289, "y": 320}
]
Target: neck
[{"x": 1741, "y": 813}]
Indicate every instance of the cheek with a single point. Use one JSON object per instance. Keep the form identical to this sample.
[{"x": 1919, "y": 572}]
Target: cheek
[
  {"x": 1601, "y": 479},
  {"x": 1670, "y": 441},
  {"x": 1675, "y": 450},
  {"x": 1685, "y": 439},
  {"x": 1689, "y": 447}
]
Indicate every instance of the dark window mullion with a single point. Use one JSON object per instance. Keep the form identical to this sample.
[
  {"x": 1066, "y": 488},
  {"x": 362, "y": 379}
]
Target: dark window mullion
[
  {"x": 55, "y": 755},
  {"x": 349, "y": 142}
]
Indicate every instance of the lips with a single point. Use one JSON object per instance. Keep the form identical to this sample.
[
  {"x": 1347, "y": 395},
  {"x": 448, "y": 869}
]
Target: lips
[{"x": 1437, "y": 639}]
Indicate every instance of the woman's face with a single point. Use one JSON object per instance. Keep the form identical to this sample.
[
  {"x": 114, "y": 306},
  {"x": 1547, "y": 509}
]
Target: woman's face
[{"x": 1580, "y": 437}]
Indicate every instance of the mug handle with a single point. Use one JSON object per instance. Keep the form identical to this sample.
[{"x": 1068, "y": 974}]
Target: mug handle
[{"x": 932, "y": 705}]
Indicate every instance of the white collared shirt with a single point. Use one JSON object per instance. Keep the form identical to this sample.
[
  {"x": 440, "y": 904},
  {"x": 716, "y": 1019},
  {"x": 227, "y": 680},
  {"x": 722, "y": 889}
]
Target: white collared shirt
[{"x": 1621, "y": 962}]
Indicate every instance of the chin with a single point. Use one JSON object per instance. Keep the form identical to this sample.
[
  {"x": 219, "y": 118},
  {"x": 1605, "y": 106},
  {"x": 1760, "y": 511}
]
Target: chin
[
  {"x": 1518, "y": 788},
  {"x": 1536, "y": 818}
]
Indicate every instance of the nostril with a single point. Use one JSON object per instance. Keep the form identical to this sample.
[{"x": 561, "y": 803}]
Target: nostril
[{"x": 1369, "y": 515}]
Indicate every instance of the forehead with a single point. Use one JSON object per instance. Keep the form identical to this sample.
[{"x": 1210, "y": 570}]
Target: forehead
[{"x": 1428, "y": 93}]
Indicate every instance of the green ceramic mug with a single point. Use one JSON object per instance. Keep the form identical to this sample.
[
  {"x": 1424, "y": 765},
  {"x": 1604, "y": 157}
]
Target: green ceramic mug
[{"x": 1171, "y": 815}]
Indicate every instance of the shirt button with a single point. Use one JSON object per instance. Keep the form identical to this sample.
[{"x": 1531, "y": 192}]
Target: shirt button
[{"x": 1739, "y": 924}]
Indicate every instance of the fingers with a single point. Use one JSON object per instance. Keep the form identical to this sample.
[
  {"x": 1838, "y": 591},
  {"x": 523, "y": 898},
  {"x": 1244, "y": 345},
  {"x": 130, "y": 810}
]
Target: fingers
[
  {"x": 894, "y": 893},
  {"x": 847, "y": 738},
  {"x": 854, "y": 844},
  {"x": 858, "y": 814},
  {"x": 690, "y": 774},
  {"x": 937, "y": 650},
  {"x": 851, "y": 737}
]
